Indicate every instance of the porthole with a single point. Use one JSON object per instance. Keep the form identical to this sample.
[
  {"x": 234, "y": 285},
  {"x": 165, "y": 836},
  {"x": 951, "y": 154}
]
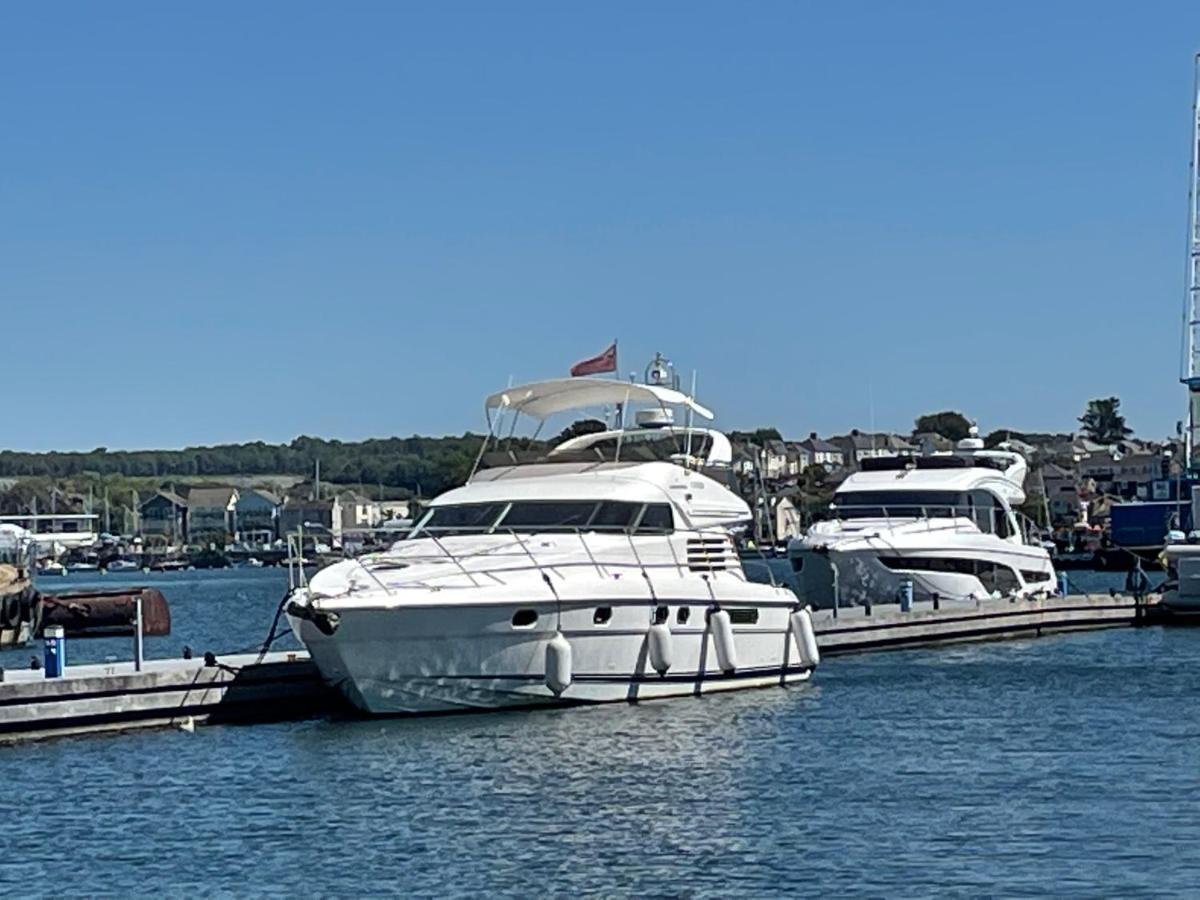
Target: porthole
[
  {"x": 743, "y": 616},
  {"x": 683, "y": 615},
  {"x": 524, "y": 618},
  {"x": 602, "y": 616}
]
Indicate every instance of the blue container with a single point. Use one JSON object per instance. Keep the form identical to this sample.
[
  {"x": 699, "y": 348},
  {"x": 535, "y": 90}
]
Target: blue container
[{"x": 55, "y": 646}]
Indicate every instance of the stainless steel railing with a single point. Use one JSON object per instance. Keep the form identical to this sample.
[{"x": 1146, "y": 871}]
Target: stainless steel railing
[{"x": 709, "y": 551}]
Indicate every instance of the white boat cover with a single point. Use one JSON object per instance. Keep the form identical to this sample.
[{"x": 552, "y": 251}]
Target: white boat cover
[{"x": 542, "y": 399}]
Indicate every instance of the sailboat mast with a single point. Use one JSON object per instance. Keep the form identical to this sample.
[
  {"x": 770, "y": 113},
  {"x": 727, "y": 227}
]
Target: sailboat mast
[{"x": 1190, "y": 364}]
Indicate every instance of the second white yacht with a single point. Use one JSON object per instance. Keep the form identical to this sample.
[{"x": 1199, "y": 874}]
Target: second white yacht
[
  {"x": 943, "y": 522},
  {"x": 604, "y": 570}
]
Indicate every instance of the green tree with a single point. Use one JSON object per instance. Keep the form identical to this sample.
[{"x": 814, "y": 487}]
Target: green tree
[
  {"x": 1103, "y": 422},
  {"x": 949, "y": 424},
  {"x": 580, "y": 427},
  {"x": 758, "y": 436}
]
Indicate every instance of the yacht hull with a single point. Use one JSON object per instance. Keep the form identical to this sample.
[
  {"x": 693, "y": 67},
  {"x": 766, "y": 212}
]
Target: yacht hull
[
  {"x": 962, "y": 571},
  {"x": 433, "y": 659}
]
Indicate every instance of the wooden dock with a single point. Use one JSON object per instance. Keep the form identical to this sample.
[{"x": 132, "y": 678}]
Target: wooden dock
[{"x": 283, "y": 686}]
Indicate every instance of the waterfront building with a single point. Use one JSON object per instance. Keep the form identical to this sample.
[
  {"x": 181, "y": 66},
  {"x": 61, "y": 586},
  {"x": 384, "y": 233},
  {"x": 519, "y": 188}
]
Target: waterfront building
[
  {"x": 859, "y": 445},
  {"x": 798, "y": 459},
  {"x": 773, "y": 460},
  {"x": 256, "y": 515},
  {"x": 1061, "y": 488},
  {"x": 823, "y": 453},
  {"x": 312, "y": 515},
  {"x": 164, "y": 514},
  {"x": 210, "y": 513}
]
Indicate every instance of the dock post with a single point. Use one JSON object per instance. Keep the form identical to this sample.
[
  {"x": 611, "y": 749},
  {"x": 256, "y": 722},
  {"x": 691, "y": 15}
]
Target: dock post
[
  {"x": 54, "y": 649},
  {"x": 137, "y": 634}
]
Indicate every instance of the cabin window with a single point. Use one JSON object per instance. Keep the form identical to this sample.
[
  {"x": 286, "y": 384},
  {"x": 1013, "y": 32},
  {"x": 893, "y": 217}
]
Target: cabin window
[
  {"x": 550, "y": 516},
  {"x": 682, "y": 615},
  {"x": 656, "y": 518},
  {"x": 899, "y": 504},
  {"x": 539, "y": 516},
  {"x": 470, "y": 518},
  {"x": 524, "y": 618},
  {"x": 602, "y": 616},
  {"x": 611, "y": 516},
  {"x": 999, "y": 578},
  {"x": 993, "y": 576},
  {"x": 989, "y": 514}
]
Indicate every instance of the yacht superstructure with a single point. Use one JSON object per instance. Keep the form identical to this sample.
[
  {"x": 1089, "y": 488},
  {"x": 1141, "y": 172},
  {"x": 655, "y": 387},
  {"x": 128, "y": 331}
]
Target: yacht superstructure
[
  {"x": 602, "y": 570},
  {"x": 944, "y": 522}
]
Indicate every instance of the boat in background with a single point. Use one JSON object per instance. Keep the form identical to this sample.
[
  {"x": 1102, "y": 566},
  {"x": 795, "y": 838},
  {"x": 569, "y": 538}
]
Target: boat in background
[{"x": 943, "y": 523}]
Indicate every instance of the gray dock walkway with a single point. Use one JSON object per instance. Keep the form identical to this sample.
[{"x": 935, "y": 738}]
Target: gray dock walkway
[
  {"x": 855, "y": 630},
  {"x": 114, "y": 697},
  {"x": 283, "y": 686}
]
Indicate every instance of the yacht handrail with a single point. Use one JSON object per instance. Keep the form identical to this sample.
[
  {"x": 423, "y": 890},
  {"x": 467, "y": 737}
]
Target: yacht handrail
[{"x": 522, "y": 548}]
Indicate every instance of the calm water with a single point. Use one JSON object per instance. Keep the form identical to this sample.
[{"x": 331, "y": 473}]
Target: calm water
[{"x": 1066, "y": 765}]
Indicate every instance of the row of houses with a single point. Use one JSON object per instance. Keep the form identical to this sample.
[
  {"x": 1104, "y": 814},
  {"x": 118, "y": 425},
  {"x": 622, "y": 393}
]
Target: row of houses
[
  {"x": 1078, "y": 477},
  {"x": 779, "y": 459},
  {"x": 202, "y": 514},
  {"x": 1079, "y": 486}
]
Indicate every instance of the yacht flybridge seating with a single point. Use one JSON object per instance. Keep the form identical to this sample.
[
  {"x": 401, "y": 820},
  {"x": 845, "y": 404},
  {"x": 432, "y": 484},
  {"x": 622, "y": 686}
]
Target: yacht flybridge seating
[
  {"x": 944, "y": 524},
  {"x": 601, "y": 570}
]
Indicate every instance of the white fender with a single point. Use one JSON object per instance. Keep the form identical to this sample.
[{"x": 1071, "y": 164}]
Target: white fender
[
  {"x": 722, "y": 631},
  {"x": 806, "y": 637},
  {"x": 558, "y": 663},
  {"x": 660, "y": 647}
]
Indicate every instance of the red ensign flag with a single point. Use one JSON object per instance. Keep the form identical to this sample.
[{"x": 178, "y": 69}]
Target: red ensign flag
[{"x": 605, "y": 362}]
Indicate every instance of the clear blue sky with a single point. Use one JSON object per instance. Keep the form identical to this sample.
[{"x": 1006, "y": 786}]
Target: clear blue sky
[{"x": 231, "y": 221}]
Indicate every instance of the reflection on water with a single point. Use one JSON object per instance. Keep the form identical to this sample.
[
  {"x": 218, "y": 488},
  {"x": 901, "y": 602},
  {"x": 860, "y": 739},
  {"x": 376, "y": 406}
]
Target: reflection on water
[{"x": 1065, "y": 765}]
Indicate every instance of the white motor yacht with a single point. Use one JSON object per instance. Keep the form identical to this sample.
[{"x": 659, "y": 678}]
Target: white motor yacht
[
  {"x": 602, "y": 570},
  {"x": 944, "y": 522}
]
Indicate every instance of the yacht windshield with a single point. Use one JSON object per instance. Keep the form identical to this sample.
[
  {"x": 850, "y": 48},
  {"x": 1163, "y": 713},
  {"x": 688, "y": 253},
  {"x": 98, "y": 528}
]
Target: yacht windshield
[
  {"x": 899, "y": 504},
  {"x": 540, "y": 516},
  {"x": 987, "y": 511}
]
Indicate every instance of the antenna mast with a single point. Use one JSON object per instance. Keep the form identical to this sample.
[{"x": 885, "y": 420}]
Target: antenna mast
[{"x": 1190, "y": 364}]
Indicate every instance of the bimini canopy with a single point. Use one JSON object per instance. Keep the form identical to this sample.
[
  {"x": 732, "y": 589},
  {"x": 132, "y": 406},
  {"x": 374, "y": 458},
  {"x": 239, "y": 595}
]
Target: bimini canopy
[{"x": 543, "y": 399}]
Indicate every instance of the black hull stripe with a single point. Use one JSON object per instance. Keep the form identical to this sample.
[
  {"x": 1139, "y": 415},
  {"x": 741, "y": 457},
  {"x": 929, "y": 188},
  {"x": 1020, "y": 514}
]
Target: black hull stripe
[{"x": 651, "y": 678}]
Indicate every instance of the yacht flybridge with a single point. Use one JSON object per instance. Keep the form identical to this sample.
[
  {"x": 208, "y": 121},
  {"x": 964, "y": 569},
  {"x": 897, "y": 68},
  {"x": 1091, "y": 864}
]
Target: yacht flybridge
[
  {"x": 943, "y": 522},
  {"x": 601, "y": 570}
]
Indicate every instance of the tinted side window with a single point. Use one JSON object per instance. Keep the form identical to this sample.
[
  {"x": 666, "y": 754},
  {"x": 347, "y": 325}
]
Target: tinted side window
[
  {"x": 612, "y": 516},
  {"x": 467, "y": 519},
  {"x": 657, "y": 518},
  {"x": 548, "y": 516}
]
